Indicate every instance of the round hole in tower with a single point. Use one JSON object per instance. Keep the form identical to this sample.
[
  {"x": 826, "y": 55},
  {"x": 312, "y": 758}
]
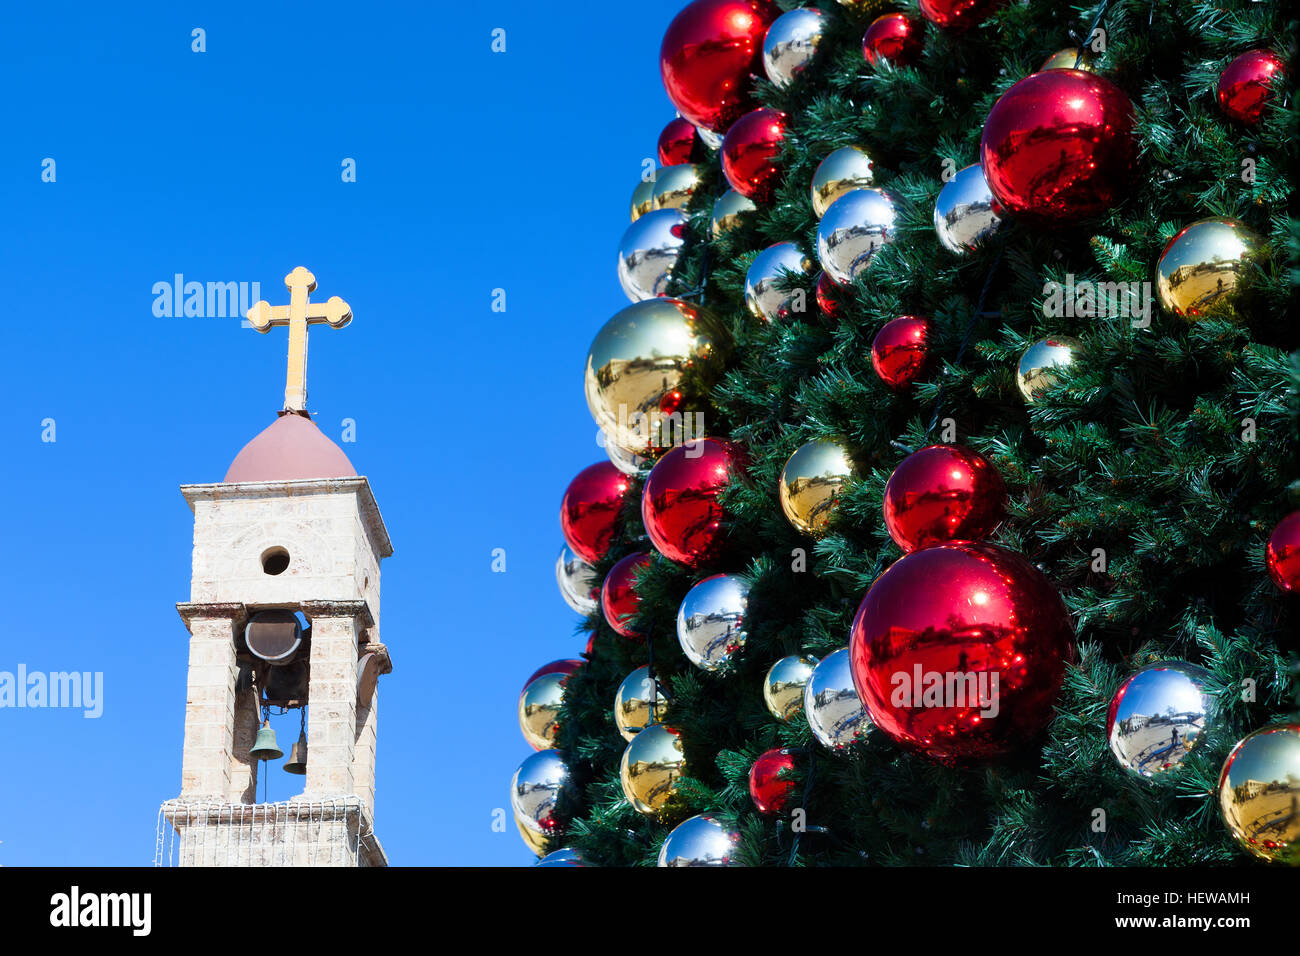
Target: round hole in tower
[{"x": 275, "y": 560}]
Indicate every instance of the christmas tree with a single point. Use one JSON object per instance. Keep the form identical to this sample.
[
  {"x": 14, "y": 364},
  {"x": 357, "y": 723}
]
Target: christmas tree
[{"x": 986, "y": 311}]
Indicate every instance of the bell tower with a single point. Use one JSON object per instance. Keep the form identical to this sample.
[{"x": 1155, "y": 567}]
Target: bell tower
[{"x": 283, "y": 617}]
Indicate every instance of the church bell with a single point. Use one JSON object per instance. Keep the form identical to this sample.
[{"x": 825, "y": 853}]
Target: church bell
[
  {"x": 265, "y": 747},
  {"x": 297, "y": 762}
]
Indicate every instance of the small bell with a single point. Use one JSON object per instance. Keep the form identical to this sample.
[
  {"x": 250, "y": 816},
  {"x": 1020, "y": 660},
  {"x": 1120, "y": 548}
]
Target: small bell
[
  {"x": 297, "y": 762},
  {"x": 265, "y": 747}
]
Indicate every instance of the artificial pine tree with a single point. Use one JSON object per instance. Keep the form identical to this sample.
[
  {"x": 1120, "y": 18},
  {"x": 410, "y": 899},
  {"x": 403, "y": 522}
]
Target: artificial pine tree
[{"x": 1143, "y": 483}]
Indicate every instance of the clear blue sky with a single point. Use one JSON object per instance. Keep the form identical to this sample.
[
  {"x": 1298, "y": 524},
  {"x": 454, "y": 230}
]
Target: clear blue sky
[{"x": 474, "y": 171}]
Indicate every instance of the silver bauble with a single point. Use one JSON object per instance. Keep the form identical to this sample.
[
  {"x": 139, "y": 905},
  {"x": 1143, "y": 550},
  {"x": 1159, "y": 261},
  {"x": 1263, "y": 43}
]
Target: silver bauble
[
  {"x": 790, "y": 43},
  {"x": 638, "y": 703},
  {"x": 578, "y": 583},
  {"x": 700, "y": 841},
  {"x": 535, "y": 788},
  {"x": 561, "y": 857},
  {"x": 767, "y": 272},
  {"x": 648, "y": 251},
  {"x": 1157, "y": 716},
  {"x": 853, "y": 230},
  {"x": 831, "y": 703},
  {"x": 711, "y": 620},
  {"x": 628, "y": 462},
  {"x": 965, "y": 212},
  {"x": 711, "y": 139}
]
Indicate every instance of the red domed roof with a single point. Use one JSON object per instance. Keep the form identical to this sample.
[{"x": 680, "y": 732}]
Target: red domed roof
[{"x": 291, "y": 449}]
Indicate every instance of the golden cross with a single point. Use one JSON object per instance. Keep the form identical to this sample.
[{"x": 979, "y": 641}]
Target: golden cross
[{"x": 299, "y": 314}]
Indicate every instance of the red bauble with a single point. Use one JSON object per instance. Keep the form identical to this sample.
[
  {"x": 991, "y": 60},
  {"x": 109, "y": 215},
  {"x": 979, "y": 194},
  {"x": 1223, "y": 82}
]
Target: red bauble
[
  {"x": 749, "y": 152},
  {"x": 893, "y": 37},
  {"x": 957, "y": 14},
  {"x": 1245, "y": 85},
  {"x": 901, "y": 350},
  {"x": 554, "y": 667},
  {"x": 828, "y": 296},
  {"x": 679, "y": 504},
  {"x": 959, "y": 651},
  {"x": 708, "y": 53},
  {"x": 943, "y": 493},
  {"x": 1282, "y": 556},
  {"x": 618, "y": 598},
  {"x": 677, "y": 143},
  {"x": 1059, "y": 146},
  {"x": 590, "y": 508},
  {"x": 769, "y": 784}
]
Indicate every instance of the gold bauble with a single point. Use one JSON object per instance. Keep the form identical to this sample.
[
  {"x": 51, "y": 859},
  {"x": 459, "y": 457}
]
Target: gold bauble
[
  {"x": 848, "y": 167},
  {"x": 642, "y": 198},
  {"x": 811, "y": 482},
  {"x": 1065, "y": 60},
  {"x": 729, "y": 211},
  {"x": 1035, "y": 375},
  {"x": 783, "y": 686},
  {"x": 636, "y": 705},
  {"x": 639, "y": 359},
  {"x": 539, "y": 709},
  {"x": 1198, "y": 272},
  {"x": 650, "y": 768},
  {"x": 532, "y": 839},
  {"x": 1259, "y": 793},
  {"x": 675, "y": 185}
]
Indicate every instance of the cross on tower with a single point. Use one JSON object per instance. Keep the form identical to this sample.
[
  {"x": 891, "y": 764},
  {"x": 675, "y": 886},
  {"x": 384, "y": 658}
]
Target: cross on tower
[{"x": 299, "y": 314}]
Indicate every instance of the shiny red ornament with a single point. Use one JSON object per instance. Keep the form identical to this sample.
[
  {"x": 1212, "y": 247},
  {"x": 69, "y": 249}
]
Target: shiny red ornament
[
  {"x": 770, "y": 786},
  {"x": 749, "y": 153},
  {"x": 828, "y": 296},
  {"x": 959, "y": 651},
  {"x": 900, "y": 351},
  {"x": 943, "y": 493},
  {"x": 1282, "y": 556},
  {"x": 554, "y": 667},
  {"x": 708, "y": 53},
  {"x": 671, "y": 401},
  {"x": 679, "y": 505},
  {"x": 1245, "y": 85},
  {"x": 893, "y": 37},
  {"x": 618, "y": 597},
  {"x": 589, "y": 511},
  {"x": 1059, "y": 146},
  {"x": 957, "y": 14},
  {"x": 678, "y": 143}
]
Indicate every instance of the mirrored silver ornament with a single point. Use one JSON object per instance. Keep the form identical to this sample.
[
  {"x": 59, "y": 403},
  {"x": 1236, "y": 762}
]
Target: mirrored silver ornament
[
  {"x": 831, "y": 703},
  {"x": 965, "y": 212},
  {"x": 578, "y": 583},
  {"x": 790, "y": 43},
  {"x": 648, "y": 251},
  {"x": 729, "y": 210},
  {"x": 853, "y": 230},
  {"x": 561, "y": 857},
  {"x": 628, "y": 462},
  {"x": 535, "y": 789},
  {"x": 779, "y": 264},
  {"x": 1158, "y": 716},
  {"x": 638, "y": 703},
  {"x": 784, "y": 684},
  {"x": 701, "y": 841},
  {"x": 711, "y": 620},
  {"x": 711, "y": 139}
]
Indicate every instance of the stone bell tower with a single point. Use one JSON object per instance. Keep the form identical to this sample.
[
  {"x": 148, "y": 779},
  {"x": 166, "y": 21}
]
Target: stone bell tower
[{"x": 283, "y": 616}]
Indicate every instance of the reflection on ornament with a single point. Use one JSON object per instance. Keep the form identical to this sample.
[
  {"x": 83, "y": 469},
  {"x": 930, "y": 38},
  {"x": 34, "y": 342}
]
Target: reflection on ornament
[
  {"x": 750, "y": 151},
  {"x": 771, "y": 786},
  {"x": 943, "y": 493},
  {"x": 1069, "y": 59},
  {"x": 642, "y": 198},
  {"x": 900, "y": 352},
  {"x": 637, "y": 704},
  {"x": 776, "y": 266},
  {"x": 893, "y": 37},
  {"x": 577, "y": 580},
  {"x": 651, "y": 766},
  {"x": 534, "y": 791},
  {"x": 1157, "y": 716},
  {"x": 965, "y": 212},
  {"x": 1246, "y": 85},
  {"x": 677, "y": 143},
  {"x": 561, "y": 857},
  {"x": 648, "y": 251},
  {"x": 790, "y": 43},
  {"x": 679, "y": 503},
  {"x": 674, "y": 186},
  {"x": 811, "y": 482},
  {"x": 729, "y": 212},
  {"x": 783, "y": 686},
  {"x": 1259, "y": 794},
  {"x": 711, "y": 620},
  {"x": 628, "y": 462},
  {"x": 539, "y": 709},
  {"x": 1035, "y": 373},
  {"x": 1198, "y": 271},
  {"x": 700, "y": 841},
  {"x": 846, "y": 168},
  {"x": 618, "y": 597},
  {"x": 831, "y": 704},
  {"x": 853, "y": 230}
]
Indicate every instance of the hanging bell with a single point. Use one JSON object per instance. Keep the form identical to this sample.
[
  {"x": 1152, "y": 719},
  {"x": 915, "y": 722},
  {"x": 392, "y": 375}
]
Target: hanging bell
[
  {"x": 265, "y": 747},
  {"x": 297, "y": 762}
]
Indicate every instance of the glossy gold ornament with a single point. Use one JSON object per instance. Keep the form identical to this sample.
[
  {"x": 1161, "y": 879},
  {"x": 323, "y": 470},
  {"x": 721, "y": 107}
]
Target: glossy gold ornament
[
  {"x": 539, "y": 709},
  {"x": 642, "y": 198},
  {"x": 675, "y": 185},
  {"x": 848, "y": 167},
  {"x": 534, "y": 840},
  {"x": 1259, "y": 794},
  {"x": 1198, "y": 272},
  {"x": 783, "y": 686},
  {"x": 648, "y": 372},
  {"x": 637, "y": 703},
  {"x": 1035, "y": 373},
  {"x": 729, "y": 211},
  {"x": 810, "y": 483},
  {"x": 768, "y": 272},
  {"x": 1065, "y": 60},
  {"x": 651, "y": 766}
]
